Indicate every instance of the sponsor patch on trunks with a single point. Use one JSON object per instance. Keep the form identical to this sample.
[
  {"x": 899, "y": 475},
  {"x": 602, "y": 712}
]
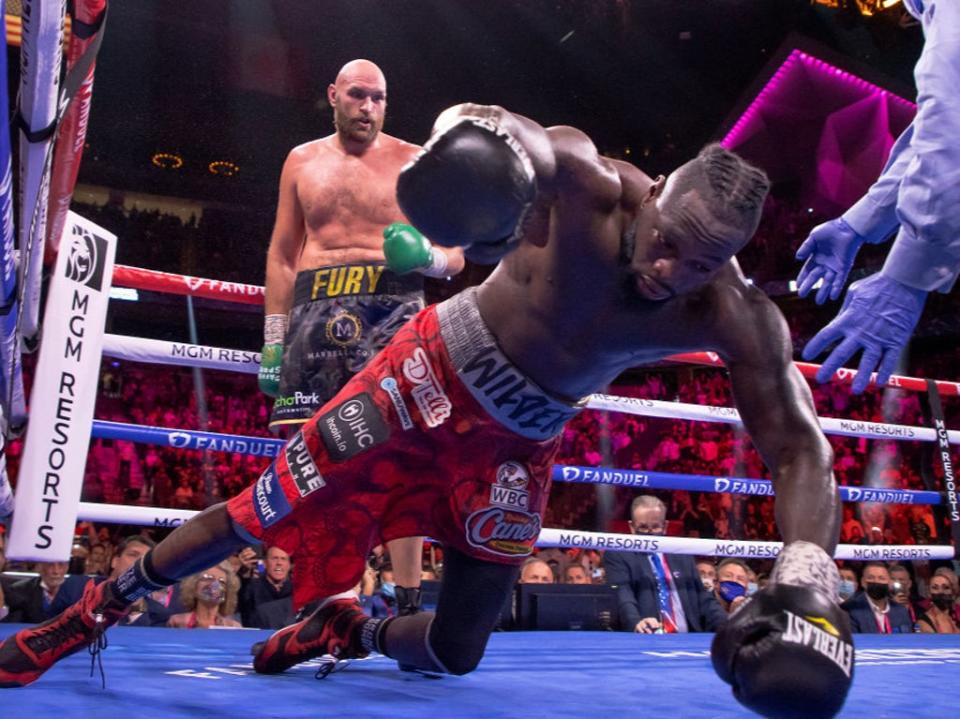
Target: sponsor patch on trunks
[
  {"x": 269, "y": 502},
  {"x": 505, "y": 532},
  {"x": 510, "y": 489},
  {"x": 343, "y": 329},
  {"x": 302, "y": 467},
  {"x": 392, "y": 388},
  {"x": 352, "y": 426},
  {"x": 434, "y": 405}
]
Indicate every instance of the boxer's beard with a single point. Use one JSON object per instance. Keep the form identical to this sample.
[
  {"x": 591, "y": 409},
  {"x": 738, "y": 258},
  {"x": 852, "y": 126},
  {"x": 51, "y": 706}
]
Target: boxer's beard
[{"x": 343, "y": 126}]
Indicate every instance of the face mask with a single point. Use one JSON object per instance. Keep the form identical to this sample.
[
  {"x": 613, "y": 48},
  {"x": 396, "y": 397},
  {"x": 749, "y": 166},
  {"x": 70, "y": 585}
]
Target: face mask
[
  {"x": 941, "y": 600},
  {"x": 876, "y": 590},
  {"x": 752, "y": 589},
  {"x": 389, "y": 589},
  {"x": 707, "y": 584},
  {"x": 847, "y": 588},
  {"x": 212, "y": 592},
  {"x": 731, "y": 590}
]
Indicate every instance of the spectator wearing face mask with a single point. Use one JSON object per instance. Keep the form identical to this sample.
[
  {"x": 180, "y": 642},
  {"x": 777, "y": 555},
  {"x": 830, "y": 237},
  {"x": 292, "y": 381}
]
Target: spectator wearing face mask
[
  {"x": 938, "y": 617},
  {"x": 872, "y": 611},
  {"x": 659, "y": 593},
  {"x": 848, "y": 583},
  {"x": 210, "y": 598},
  {"x": 707, "y": 569},
  {"x": 733, "y": 580}
]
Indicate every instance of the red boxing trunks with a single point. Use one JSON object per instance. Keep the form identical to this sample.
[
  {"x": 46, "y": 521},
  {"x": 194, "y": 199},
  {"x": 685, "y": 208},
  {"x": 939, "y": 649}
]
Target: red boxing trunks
[{"x": 439, "y": 435}]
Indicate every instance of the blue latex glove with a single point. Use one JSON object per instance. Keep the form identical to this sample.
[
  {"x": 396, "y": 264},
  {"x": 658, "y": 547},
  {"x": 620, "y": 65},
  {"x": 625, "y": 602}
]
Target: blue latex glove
[
  {"x": 829, "y": 252},
  {"x": 878, "y": 316}
]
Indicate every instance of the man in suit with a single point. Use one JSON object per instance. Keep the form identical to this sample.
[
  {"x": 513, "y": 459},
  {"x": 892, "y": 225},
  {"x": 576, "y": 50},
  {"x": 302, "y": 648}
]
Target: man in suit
[
  {"x": 872, "y": 611},
  {"x": 30, "y": 599},
  {"x": 658, "y": 592}
]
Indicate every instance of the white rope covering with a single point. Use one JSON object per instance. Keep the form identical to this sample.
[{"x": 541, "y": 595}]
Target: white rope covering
[
  {"x": 728, "y": 547},
  {"x": 729, "y": 415},
  {"x": 148, "y": 516},
  {"x": 140, "y": 516},
  {"x": 139, "y": 349}
]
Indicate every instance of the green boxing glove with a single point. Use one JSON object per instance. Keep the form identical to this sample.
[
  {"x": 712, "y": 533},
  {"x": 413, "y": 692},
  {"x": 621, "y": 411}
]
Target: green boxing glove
[
  {"x": 268, "y": 377},
  {"x": 271, "y": 356},
  {"x": 407, "y": 250}
]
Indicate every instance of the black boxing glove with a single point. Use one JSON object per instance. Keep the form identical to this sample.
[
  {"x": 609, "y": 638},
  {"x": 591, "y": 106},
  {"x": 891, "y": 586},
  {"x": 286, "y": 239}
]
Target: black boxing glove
[
  {"x": 787, "y": 652},
  {"x": 472, "y": 184}
]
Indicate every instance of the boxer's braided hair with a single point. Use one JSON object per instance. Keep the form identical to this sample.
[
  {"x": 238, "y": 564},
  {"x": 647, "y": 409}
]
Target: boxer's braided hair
[{"x": 733, "y": 189}]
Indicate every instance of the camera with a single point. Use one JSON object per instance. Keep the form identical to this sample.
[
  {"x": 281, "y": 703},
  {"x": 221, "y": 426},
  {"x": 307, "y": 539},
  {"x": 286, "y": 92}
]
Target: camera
[{"x": 898, "y": 588}]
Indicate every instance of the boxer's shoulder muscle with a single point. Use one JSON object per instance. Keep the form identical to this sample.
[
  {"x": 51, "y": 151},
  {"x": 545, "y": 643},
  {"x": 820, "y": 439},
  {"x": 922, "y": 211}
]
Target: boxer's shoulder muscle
[
  {"x": 749, "y": 327},
  {"x": 581, "y": 170}
]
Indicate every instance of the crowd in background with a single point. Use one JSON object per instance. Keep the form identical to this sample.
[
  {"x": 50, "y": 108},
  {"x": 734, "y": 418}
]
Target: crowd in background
[{"x": 122, "y": 472}]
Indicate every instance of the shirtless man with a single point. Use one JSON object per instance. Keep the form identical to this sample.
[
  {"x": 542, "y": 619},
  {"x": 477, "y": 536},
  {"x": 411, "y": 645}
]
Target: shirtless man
[
  {"x": 453, "y": 428},
  {"x": 325, "y": 268}
]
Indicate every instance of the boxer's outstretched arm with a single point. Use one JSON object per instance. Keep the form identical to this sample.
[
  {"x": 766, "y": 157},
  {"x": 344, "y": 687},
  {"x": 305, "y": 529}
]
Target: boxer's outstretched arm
[
  {"x": 286, "y": 241},
  {"x": 777, "y": 410}
]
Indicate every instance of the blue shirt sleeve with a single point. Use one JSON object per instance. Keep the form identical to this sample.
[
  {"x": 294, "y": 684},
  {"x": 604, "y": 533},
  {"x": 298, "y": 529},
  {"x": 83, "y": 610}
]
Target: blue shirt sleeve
[
  {"x": 874, "y": 216},
  {"x": 926, "y": 254}
]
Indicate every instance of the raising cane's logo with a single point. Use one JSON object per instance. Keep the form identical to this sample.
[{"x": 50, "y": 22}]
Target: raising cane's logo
[{"x": 507, "y": 533}]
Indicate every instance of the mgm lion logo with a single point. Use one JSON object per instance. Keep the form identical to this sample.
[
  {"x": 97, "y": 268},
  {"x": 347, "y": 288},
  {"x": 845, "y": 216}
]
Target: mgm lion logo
[{"x": 86, "y": 258}]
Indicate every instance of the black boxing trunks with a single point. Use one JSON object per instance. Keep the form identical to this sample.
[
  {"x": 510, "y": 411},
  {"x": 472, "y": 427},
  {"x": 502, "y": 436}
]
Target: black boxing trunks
[
  {"x": 341, "y": 317},
  {"x": 439, "y": 435}
]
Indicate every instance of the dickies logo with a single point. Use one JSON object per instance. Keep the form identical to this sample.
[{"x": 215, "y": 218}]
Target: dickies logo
[{"x": 86, "y": 259}]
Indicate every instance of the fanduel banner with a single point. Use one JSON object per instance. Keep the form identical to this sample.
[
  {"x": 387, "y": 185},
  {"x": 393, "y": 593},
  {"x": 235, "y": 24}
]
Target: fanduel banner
[{"x": 64, "y": 393}]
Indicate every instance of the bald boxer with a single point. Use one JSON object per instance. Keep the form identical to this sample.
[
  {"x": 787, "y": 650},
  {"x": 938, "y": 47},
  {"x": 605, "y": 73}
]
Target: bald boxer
[
  {"x": 453, "y": 428},
  {"x": 326, "y": 268}
]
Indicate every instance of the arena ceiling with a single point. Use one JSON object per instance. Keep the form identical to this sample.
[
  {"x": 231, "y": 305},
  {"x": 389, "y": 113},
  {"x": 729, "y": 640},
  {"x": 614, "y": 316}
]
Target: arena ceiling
[{"x": 240, "y": 83}]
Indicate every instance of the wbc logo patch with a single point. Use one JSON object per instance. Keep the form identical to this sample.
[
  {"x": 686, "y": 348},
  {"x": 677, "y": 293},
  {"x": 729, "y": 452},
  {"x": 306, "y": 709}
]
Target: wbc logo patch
[{"x": 510, "y": 489}]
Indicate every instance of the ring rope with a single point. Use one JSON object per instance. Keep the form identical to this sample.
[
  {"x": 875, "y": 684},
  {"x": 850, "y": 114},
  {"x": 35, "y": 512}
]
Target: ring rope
[
  {"x": 187, "y": 355},
  {"x": 182, "y": 354},
  {"x": 729, "y": 415},
  {"x": 187, "y": 438},
  {"x": 726, "y": 485},
  {"x": 152, "y": 280},
  {"x": 270, "y": 447},
  {"x": 553, "y": 537}
]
